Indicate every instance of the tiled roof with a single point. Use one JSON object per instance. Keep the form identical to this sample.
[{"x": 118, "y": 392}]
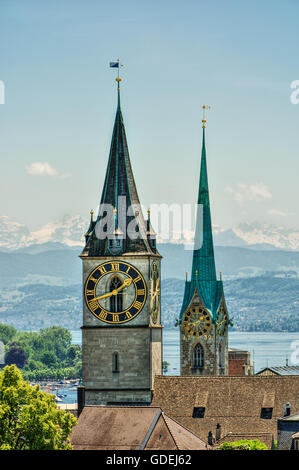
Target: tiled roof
[
  {"x": 131, "y": 428},
  {"x": 282, "y": 370},
  {"x": 233, "y": 402}
]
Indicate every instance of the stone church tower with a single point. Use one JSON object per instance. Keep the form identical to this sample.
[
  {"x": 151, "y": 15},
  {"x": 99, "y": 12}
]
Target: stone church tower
[
  {"x": 203, "y": 318},
  {"x": 121, "y": 332}
]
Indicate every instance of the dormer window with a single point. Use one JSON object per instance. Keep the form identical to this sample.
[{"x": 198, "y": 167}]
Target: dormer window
[{"x": 115, "y": 245}]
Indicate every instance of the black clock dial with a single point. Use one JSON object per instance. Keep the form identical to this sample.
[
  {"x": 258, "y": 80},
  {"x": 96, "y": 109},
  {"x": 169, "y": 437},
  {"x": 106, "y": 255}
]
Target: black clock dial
[
  {"x": 197, "y": 321},
  {"x": 115, "y": 292}
]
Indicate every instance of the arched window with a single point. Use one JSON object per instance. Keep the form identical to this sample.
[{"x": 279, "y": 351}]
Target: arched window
[
  {"x": 198, "y": 356},
  {"x": 116, "y": 301}
]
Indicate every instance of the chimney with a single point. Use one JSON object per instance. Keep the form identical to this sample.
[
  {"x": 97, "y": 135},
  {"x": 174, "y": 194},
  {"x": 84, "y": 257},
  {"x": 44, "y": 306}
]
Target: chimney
[
  {"x": 80, "y": 399},
  {"x": 211, "y": 439},
  {"x": 287, "y": 409},
  {"x": 218, "y": 432}
]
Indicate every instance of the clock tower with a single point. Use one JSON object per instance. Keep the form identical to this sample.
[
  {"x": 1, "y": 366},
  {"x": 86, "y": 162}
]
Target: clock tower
[
  {"x": 121, "y": 331},
  {"x": 203, "y": 318}
]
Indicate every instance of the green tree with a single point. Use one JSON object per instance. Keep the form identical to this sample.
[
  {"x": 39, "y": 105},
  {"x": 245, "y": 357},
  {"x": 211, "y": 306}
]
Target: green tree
[
  {"x": 29, "y": 418},
  {"x": 244, "y": 444},
  {"x": 7, "y": 333}
]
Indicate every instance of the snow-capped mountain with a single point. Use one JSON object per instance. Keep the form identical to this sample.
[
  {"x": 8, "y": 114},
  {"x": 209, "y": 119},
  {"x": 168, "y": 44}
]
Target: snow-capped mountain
[{"x": 70, "y": 229}]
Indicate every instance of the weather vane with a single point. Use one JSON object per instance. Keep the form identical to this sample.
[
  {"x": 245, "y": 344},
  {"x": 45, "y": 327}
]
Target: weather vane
[
  {"x": 204, "y": 115},
  {"x": 117, "y": 65}
]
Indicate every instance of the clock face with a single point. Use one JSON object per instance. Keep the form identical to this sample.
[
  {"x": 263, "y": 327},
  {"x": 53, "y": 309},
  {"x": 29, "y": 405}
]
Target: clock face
[
  {"x": 115, "y": 292},
  {"x": 155, "y": 292},
  {"x": 197, "y": 321},
  {"x": 221, "y": 321}
]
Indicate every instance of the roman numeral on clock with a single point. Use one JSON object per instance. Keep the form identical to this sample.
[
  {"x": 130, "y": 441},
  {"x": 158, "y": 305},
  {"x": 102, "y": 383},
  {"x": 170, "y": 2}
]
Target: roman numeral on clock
[
  {"x": 103, "y": 315},
  {"x": 115, "y": 318},
  {"x": 137, "y": 304},
  {"x": 114, "y": 267},
  {"x": 93, "y": 304},
  {"x": 102, "y": 269}
]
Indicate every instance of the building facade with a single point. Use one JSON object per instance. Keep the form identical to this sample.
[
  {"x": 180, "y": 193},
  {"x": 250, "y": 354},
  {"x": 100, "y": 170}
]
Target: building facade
[
  {"x": 204, "y": 316},
  {"x": 121, "y": 331}
]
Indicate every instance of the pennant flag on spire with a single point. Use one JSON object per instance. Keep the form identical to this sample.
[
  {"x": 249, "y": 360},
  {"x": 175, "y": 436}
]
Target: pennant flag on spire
[{"x": 114, "y": 64}]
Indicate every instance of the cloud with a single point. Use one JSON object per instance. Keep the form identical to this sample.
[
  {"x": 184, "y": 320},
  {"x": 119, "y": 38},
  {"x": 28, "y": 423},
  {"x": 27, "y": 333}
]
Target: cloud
[
  {"x": 249, "y": 192},
  {"x": 279, "y": 213},
  {"x": 44, "y": 169}
]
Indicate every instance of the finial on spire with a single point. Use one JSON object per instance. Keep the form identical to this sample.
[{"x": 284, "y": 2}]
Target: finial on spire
[
  {"x": 220, "y": 275},
  {"x": 204, "y": 115},
  {"x": 117, "y": 65},
  {"x": 91, "y": 215},
  {"x": 186, "y": 275}
]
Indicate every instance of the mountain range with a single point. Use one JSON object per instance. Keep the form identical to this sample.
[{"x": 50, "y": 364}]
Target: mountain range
[
  {"x": 69, "y": 230},
  {"x": 40, "y": 276}
]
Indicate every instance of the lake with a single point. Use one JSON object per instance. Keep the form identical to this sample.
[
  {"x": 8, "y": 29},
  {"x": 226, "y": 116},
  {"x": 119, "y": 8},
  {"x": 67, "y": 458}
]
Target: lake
[{"x": 266, "y": 348}]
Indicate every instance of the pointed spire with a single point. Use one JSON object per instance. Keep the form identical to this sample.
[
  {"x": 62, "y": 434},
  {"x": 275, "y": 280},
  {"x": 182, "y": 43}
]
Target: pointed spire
[
  {"x": 119, "y": 192},
  {"x": 203, "y": 266}
]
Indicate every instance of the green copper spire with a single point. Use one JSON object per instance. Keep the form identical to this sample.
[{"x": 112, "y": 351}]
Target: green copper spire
[
  {"x": 203, "y": 266},
  {"x": 203, "y": 275}
]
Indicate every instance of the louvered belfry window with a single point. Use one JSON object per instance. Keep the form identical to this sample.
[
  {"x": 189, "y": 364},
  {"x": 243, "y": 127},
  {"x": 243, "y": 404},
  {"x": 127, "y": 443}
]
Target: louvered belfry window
[{"x": 198, "y": 356}]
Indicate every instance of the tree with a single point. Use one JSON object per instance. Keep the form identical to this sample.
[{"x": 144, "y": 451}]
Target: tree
[
  {"x": 16, "y": 356},
  {"x": 7, "y": 333},
  {"x": 29, "y": 418},
  {"x": 244, "y": 444}
]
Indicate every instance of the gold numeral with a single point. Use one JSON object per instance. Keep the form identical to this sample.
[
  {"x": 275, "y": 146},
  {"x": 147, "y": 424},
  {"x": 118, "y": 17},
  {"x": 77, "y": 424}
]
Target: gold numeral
[
  {"x": 128, "y": 315},
  {"x": 93, "y": 279},
  {"x": 140, "y": 291},
  {"x": 137, "y": 279},
  {"x": 128, "y": 269},
  {"x": 89, "y": 292},
  {"x": 114, "y": 267},
  {"x": 115, "y": 318},
  {"x": 93, "y": 304},
  {"x": 103, "y": 315},
  {"x": 137, "y": 304},
  {"x": 102, "y": 269}
]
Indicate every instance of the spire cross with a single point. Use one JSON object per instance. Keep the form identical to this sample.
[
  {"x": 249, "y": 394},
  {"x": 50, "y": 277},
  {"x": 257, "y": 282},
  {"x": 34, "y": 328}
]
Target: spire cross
[{"x": 204, "y": 115}]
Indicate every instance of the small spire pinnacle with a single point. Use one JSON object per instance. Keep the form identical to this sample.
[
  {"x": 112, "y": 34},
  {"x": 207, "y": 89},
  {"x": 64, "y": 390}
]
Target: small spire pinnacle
[
  {"x": 91, "y": 215},
  {"x": 186, "y": 275},
  {"x": 204, "y": 115}
]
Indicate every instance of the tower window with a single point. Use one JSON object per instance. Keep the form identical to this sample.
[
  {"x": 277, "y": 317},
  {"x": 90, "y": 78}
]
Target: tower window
[
  {"x": 115, "y": 362},
  {"x": 266, "y": 413},
  {"x": 198, "y": 412},
  {"x": 116, "y": 301},
  {"x": 198, "y": 357}
]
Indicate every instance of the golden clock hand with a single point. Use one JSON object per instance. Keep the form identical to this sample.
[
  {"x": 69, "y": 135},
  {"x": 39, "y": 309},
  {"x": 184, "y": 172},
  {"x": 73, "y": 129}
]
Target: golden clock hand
[{"x": 126, "y": 283}]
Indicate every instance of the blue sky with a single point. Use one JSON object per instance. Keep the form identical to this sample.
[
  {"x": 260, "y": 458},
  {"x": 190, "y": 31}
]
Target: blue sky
[{"x": 60, "y": 102}]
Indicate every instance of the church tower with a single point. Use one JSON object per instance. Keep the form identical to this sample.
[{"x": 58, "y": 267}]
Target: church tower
[
  {"x": 121, "y": 332},
  {"x": 203, "y": 318}
]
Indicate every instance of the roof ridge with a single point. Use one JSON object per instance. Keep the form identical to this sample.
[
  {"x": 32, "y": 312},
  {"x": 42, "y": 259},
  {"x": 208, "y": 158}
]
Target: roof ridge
[{"x": 181, "y": 425}]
